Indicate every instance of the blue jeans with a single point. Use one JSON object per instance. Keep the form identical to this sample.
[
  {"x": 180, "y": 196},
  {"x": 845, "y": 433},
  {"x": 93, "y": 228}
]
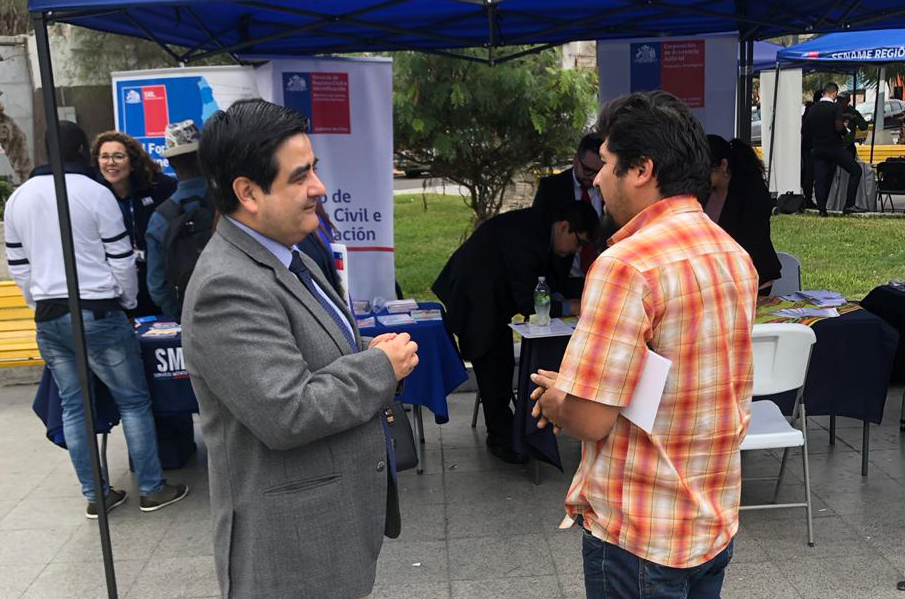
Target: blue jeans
[
  {"x": 613, "y": 573},
  {"x": 114, "y": 356}
]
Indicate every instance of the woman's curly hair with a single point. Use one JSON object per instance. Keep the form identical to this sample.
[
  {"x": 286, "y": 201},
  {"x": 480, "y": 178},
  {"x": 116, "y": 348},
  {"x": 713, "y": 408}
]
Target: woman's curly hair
[{"x": 143, "y": 168}]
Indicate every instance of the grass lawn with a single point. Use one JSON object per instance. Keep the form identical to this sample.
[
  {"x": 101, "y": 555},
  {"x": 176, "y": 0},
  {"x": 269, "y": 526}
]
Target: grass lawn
[{"x": 850, "y": 255}]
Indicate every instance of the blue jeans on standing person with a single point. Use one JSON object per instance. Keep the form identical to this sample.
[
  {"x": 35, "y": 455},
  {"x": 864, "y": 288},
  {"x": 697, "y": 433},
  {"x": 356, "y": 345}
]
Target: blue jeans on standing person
[
  {"x": 114, "y": 356},
  {"x": 611, "y": 572}
]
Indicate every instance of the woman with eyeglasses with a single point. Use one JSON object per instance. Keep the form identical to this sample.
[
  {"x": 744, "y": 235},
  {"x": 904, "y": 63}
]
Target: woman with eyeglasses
[{"x": 139, "y": 187}]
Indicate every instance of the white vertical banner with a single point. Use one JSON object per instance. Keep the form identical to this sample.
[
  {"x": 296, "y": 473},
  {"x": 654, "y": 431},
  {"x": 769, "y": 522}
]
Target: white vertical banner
[
  {"x": 701, "y": 71},
  {"x": 782, "y": 144},
  {"x": 349, "y": 103}
]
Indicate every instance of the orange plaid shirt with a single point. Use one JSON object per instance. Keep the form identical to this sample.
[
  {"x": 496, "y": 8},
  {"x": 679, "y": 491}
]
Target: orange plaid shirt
[{"x": 674, "y": 282}]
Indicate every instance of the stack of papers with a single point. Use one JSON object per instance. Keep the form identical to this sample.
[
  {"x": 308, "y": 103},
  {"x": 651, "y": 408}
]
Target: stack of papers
[
  {"x": 421, "y": 315},
  {"x": 391, "y": 320},
  {"x": 365, "y": 322},
  {"x": 361, "y": 306},
  {"x": 821, "y": 299},
  {"x": 399, "y": 306},
  {"x": 556, "y": 328},
  {"x": 170, "y": 329},
  {"x": 807, "y": 313}
]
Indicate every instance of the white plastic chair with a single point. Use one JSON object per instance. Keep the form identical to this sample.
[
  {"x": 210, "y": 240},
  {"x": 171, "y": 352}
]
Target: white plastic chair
[
  {"x": 790, "y": 278},
  {"x": 782, "y": 353}
]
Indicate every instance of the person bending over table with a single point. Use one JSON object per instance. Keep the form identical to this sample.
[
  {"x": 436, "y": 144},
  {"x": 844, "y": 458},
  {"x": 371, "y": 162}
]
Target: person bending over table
[
  {"x": 490, "y": 279},
  {"x": 660, "y": 510},
  {"x": 740, "y": 203}
]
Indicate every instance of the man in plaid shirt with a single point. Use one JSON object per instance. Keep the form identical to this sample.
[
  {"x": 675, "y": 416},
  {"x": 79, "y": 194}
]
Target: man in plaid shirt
[{"x": 659, "y": 510}]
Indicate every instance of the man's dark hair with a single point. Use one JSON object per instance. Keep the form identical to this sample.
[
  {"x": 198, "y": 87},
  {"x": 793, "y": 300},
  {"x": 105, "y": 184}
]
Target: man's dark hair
[
  {"x": 73, "y": 143},
  {"x": 589, "y": 143},
  {"x": 830, "y": 88},
  {"x": 818, "y": 93},
  {"x": 242, "y": 142},
  {"x": 659, "y": 127},
  {"x": 582, "y": 218}
]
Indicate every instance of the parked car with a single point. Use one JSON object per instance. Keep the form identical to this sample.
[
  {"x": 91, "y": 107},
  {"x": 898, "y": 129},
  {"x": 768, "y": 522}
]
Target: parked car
[
  {"x": 893, "y": 113},
  {"x": 403, "y": 164}
]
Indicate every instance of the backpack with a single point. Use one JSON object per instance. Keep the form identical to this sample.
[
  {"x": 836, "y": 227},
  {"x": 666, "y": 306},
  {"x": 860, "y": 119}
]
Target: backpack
[
  {"x": 187, "y": 234},
  {"x": 790, "y": 203}
]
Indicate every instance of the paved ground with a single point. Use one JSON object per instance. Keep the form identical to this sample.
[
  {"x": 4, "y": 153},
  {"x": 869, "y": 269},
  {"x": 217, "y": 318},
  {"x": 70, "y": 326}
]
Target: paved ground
[{"x": 474, "y": 528}]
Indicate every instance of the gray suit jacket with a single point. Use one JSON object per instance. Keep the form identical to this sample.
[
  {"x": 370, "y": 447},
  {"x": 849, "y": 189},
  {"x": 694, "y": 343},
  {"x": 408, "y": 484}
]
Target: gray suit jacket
[{"x": 291, "y": 420}]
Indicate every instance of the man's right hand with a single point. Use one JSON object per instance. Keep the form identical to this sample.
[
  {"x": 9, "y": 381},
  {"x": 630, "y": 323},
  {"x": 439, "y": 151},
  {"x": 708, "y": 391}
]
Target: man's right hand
[{"x": 402, "y": 352}]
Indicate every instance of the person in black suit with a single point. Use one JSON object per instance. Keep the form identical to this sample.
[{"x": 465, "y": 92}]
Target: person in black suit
[
  {"x": 807, "y": 159},
  {"x": 740, "y": 203},
  {"x": 566, "y": 274},
  {"x": 490, "y": 279},
  {"x": 824, "y": 124}
]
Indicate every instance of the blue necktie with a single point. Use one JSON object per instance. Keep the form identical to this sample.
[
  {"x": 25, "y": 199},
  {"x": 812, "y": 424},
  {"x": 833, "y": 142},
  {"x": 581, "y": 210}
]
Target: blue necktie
[{"x": 298, "y": 268}]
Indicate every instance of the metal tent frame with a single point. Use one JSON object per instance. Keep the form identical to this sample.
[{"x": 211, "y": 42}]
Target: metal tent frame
[{"x": 304, "y": 27}]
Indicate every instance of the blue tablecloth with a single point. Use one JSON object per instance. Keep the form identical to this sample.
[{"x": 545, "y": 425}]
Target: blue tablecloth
[
  {"x": 440, "y": 369},
  {"x": 172, "y": 400}
]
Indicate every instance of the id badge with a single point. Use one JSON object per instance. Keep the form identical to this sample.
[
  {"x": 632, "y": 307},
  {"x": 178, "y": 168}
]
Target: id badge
[{"x": 139, "y": 255}]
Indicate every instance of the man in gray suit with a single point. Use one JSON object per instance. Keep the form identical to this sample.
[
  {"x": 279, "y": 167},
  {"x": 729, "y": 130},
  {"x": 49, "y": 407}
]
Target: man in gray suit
[{"x": 302, "y": 480}]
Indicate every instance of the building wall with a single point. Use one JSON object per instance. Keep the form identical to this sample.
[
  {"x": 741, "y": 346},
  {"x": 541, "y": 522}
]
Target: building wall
[{"x": 16, "y": 88}]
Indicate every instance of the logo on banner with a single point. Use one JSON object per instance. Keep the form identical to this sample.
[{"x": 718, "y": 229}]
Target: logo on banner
[
  {"x": 323, "y": 98},
  {"x": 676, "y": 67},
  {"x": 146, "y": 109},
  {"x": 645, "y": 55}
]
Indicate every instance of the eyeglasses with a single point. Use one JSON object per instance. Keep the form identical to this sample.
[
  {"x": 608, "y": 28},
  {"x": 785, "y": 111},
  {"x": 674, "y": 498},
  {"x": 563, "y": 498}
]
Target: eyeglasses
[{"x": 118, "y": 157}]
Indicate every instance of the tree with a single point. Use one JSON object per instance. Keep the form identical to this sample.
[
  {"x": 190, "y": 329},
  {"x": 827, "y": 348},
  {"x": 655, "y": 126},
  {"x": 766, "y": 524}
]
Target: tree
[{"x": 480, "y": 125}]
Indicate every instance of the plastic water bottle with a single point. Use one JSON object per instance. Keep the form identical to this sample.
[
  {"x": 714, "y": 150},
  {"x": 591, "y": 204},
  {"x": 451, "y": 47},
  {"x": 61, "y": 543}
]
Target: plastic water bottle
[{"x": 542, "y": 302}]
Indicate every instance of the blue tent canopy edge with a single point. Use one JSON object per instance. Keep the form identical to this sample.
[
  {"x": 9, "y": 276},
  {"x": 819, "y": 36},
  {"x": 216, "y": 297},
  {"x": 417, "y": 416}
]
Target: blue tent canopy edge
[{"x": 286, "y": 27}]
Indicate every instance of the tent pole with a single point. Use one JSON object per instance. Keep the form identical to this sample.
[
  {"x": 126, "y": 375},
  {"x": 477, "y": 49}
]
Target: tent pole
[
  {"x": 773, "y": 128},
  {"x": 749, "y": 90},
  {"x": 879, "y": 117},
  {"x": 742, "y": 92},
  {"x": 48, "y": 92}
]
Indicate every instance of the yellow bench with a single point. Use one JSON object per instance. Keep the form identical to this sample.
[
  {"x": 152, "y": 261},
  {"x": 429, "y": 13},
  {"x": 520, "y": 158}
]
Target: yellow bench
[
  {"x": 881, "y": 153},
  {"x": 18, "y": 345}
]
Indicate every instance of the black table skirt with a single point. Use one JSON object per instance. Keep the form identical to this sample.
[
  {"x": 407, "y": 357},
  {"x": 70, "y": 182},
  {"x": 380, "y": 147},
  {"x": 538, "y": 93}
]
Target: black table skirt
[
  {"x": 543, "y": 353},
  {"x": 850, "y": 367},
  {"x": 889, "y": 304}
]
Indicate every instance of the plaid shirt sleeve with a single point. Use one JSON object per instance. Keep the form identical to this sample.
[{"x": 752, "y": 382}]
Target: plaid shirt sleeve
[{"x": 606, "y": 354}]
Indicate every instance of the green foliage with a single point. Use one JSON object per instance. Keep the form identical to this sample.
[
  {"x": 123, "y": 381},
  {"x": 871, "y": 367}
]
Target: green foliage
[
  {"x": 845, "y": 254},
  {"x": 480, "y": 125},
  {"x": 122, "y": 53},
  {"x": 425, "y": 239}
]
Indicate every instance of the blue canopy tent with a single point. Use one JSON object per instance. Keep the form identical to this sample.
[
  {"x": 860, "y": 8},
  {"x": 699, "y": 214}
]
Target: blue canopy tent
[
  {"x": 764, "y": 56},
  {"x": 852, "y": 49},
  {"x": 190, "y": 31}
]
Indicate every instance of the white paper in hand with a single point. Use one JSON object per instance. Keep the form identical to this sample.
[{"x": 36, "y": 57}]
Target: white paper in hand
[{"x": 646, "y": 401}]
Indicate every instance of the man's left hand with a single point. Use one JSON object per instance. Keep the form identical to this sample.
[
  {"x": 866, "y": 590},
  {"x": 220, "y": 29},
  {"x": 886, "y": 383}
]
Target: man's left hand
[{"x": 549, "y": 399}]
